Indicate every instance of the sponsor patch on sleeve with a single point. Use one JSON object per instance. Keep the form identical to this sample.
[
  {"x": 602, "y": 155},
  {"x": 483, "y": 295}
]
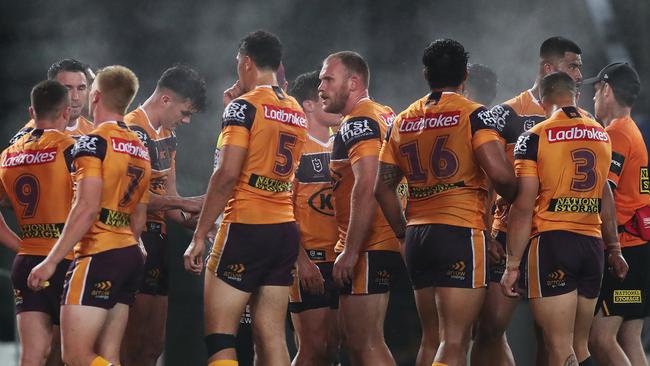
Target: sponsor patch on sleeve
[
  {"x": 483, "y": 118},
  {"x": 90, "y": 145},
  {"x": 239, "y": 113},
  {"x": 526, "y": 146},
  {"x": 616, "y": 166},
  {"x": 359, "y": 129}
]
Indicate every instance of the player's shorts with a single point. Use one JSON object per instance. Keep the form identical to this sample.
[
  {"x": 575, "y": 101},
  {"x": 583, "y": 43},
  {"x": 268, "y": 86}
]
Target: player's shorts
[
  {"x": 104, "y": 279},
  {"x": 439, "y": 255},
  {"x": 301, "y": 300},
  {"x": 247, "y": 256},
  {"x": 497, "y": 269},
  {"x": 558, "y": 262},
  {"x": 374, "y": 272},
  {"x": 47, "y": 300},
  {"x": 155, "y": 280},
  {"x": 627, "y": 299}
]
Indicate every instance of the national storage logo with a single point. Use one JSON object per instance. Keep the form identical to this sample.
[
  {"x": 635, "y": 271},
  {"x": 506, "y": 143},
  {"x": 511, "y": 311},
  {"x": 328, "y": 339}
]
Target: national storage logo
[{"x": 627, "y": 296}]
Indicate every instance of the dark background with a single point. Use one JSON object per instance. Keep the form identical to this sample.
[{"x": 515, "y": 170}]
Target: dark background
[{"x": 149, "y": 36}]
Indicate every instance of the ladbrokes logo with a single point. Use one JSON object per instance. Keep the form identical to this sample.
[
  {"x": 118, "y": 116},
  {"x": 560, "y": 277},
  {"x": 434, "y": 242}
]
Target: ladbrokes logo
[
  {"x": 382, "y": 278},
  {"x": 234, "y": 272},
  {"x": 102, "y": 290},
  {"x": 284, "y": 115},
  {"x": 457, "y": 271},
  {"x": 29, "y": 157},
  {"x": 133, "y": 148},
  {"x": 627, "y": 296},
  {"x": 556, "y": 279},
  {"x": 388, "y": 118},
  {"x": 575, "y": 204},
  {"x": 576, "y": 133},
  {"x": 430, "y": 121}
]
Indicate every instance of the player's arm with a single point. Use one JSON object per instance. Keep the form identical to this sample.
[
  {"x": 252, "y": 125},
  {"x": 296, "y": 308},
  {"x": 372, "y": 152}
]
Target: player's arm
[
  {"x": 308, "y": 272},
  {"x": 608, "y": 227},
  {"x": 191, "y": 205},
  {"x": 388, "y": 178},
  {"x": 82, "y": 215},
  {"x": 492, "y": 158},
  {"x": 8, "y": 237}
]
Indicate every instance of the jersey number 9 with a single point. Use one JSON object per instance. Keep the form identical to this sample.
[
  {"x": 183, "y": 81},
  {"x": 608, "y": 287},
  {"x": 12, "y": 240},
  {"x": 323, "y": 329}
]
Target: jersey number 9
[{"x": 27, "y": 193}]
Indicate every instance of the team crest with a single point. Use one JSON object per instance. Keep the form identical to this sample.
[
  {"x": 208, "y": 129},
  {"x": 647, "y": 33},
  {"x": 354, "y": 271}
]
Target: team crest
[{"x": 317, "y": 164}]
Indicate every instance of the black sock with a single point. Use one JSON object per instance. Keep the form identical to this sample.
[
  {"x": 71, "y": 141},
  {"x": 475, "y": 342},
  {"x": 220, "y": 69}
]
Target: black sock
[{"x": 587, "y": 362}]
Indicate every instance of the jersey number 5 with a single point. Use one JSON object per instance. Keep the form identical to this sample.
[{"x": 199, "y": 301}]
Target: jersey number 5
[
  {"x": 27, "y": 193},
  {"x": 283, "y": 166}
]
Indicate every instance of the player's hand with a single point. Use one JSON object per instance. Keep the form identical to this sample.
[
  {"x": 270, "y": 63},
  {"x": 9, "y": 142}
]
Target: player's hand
[
  {"x": 212, "y": 234},
  {"x": 232, "y": 93},
  {"x": 39, "y": 276},
  {"x": 402, "y": 248},
  {"x": 495, "y": 251},
  {"x": 343, "y": 271},
  {"x": 193, "y": 257},
  {"x": 190, "y": 220},
  {"x": 617, "y": 265},
  {"x": 142, "y": 248},
  {"x": 509, "y": 282},
  {"x": 192, "y": 205},
  {"x": 310, "y": 277}
]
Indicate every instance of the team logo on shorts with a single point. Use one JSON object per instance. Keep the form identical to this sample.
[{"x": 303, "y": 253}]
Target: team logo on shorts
[
  {"x": 234, "y": 272},
  {"x": 457, "y": 271},
  {"x": 382, "y": 278},
  {"x": 152, "y": 277},
  {"x": 18, "y": 297},
  {"x": 627, "y": 296},
  {"x": 556, "y": 279},
  {"x": 102, "y": 290}
]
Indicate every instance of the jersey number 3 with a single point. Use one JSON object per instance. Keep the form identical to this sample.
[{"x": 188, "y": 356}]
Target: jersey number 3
[{"x": 585, "y": 175}]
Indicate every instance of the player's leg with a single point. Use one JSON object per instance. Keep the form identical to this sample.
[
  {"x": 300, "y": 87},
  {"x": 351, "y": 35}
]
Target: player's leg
[
  {"x": 603, "y": 343},
  {"x": 425, "y": 302},
  {"x": 80, "y": 328},
  {"x": 223, "y": 306},
  {"x": 629, "y": 337},
  {"x": 110, "y": 338},
  {"x": 556, "y": 317},
  {"x": 456, "y": 322},
  {"x": 333, "y": 336},
  {"x": 144, "y": 338},
  {"x": 54, "y": 358},
  {"x": 584, "y": 318},
  {"x": 268, "y": 311},
  {"x": 35, "y": 332},
  {"x": 362, "y": 318}
]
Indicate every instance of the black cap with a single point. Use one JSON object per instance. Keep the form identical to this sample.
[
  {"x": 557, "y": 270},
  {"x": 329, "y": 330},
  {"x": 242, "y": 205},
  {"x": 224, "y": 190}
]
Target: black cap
[{"x": 620, "y": 76}]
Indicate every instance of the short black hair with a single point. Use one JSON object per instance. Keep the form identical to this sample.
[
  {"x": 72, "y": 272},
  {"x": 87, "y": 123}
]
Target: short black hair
[
  {"x": 263, "y": 48},
  {"x": 187, "y": 83},
  {"x": 482, "y": 80},
  {"x": 48, "y": 97},
  {"x": 557, "y": 47},
  {"x": 355, "y": 64},
  {"x": 625, "y": 96},
  {"x": 445, "y": 63},
  {"x": 69, "y": 65},
  {"x": 557, "y": 83},
  {"x": 305, "y": 87}
]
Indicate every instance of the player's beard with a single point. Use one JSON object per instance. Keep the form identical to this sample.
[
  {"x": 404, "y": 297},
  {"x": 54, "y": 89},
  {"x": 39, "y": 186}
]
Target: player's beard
[{"x": 338, "y": 101}]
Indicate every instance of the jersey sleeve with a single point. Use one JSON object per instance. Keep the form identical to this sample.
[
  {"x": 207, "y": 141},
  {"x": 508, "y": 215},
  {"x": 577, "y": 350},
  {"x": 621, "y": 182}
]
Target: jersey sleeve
[
  {"x": 23, "y": 131},
  {"x": 88, "y": 156},
  {"x": 387, "y": 154},
  {"x": 237, "y": 123},
  {"x": 620, "y": 152},
  {"x": 361, "y": 137},
  {"x": 67, "y": 155},
  {"x": 484, "y": 127},
  {"x": 526, "y": 155}
]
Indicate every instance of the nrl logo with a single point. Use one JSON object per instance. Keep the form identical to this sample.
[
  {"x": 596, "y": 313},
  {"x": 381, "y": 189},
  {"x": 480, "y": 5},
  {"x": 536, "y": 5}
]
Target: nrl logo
[{"x": 317, "y": 164}]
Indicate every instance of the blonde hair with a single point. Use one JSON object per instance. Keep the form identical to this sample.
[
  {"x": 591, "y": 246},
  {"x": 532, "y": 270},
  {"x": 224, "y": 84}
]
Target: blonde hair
[{"x": 118, "y": 86}]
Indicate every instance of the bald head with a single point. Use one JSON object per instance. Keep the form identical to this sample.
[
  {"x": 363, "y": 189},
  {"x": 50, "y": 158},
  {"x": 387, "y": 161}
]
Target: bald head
[{"x": 354, "y": 64}]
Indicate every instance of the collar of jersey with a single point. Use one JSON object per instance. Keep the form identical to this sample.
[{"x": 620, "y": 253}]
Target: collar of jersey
[
  {"x": 321, "y": 143},
  {"x": 535, "y": 100},
  {"x": 149, "y": 121},
  {"x": 72, "y": 128}
]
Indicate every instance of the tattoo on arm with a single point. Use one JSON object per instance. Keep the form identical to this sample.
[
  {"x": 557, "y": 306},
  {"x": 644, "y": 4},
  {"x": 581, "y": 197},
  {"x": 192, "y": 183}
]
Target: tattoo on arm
[{"x": 390, "y": 174}]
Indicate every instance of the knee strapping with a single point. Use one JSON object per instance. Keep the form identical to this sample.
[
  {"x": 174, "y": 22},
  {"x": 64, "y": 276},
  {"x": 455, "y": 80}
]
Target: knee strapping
[
  {"x": 224, "y": 363},
  {"x": 216, "y": 342},
  {"x": 100, "y": 361}
]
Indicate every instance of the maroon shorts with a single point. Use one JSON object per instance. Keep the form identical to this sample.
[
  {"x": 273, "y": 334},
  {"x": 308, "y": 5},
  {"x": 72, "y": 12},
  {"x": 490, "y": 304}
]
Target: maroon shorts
[
  {"x": 155, "y": 280},
  {"x": 301, "y": 300},
  {"x": 439, "y": 255},
  {"x": 47, "y": 300},
  {"x": 497, "y": 269},
  {"x": 558, "y": 262},
  {"x": 104, "y": 279},
  {"x": 247, "y": 256},
  {"x": 374, "y": 273}
]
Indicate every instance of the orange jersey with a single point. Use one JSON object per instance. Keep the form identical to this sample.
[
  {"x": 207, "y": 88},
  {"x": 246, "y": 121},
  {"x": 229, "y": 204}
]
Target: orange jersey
[
  {"x": 81, "y": 127},
  {"x": 360, "y": 135},
  {"x": 433, "y": 143},
  {"x": 313, "y": 204},
  {"x": 35, "y": 176},
  {"x": 515, "y": 117},
  {"x": 570, "y": 155},
  {"x": 162, "y": 151},
  {"x": 271, "y": 126},
  {"x": 115, "y": 154},
  {"x": 628, "y": 173}
]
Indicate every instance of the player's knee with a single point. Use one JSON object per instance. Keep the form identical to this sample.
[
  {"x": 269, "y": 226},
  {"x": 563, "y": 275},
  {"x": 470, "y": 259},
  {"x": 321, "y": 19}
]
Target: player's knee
[
  {"x": 216, "y": 342},
  {"x": 76, "y": 357},
  {"x": 34, "y": 356},
  {"x": 490, "y": 332},
  {"x": 153, "y": 349},
  {"x": 601, "y": 339},
  {"x": 430, "y": 340}
]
